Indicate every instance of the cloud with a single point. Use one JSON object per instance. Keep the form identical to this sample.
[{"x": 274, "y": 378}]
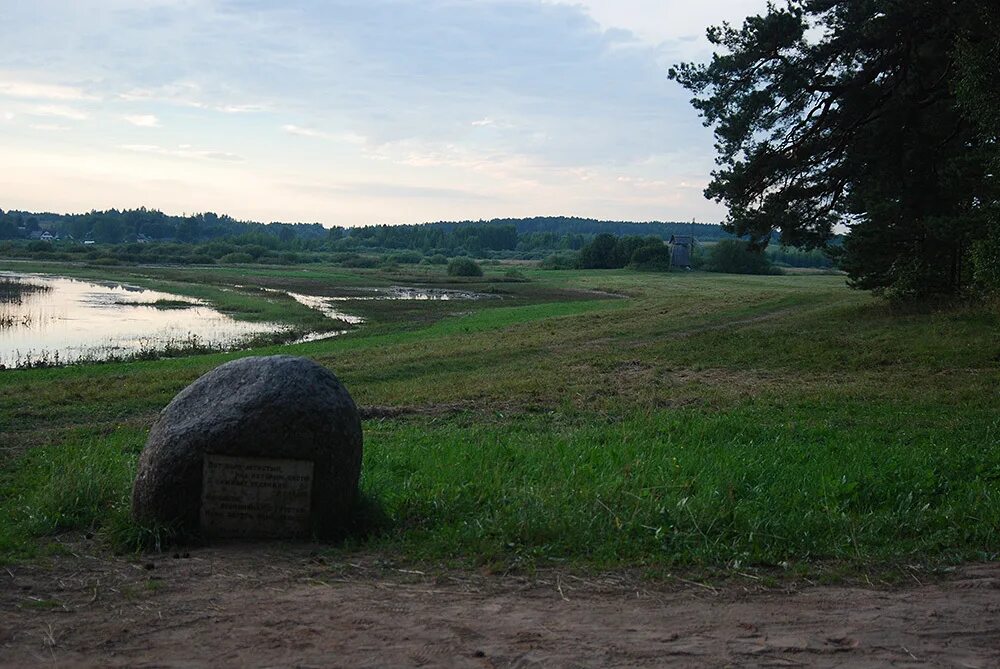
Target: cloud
[
  {"x": 142, "y": 120},
  {"x": 189, "y": 94},
  {"x": 183, "y": 151},
  {"x": 306, "y": 132},
  {"x": 41, "y": 91},
  {"x": 545, "y": 103},
  {"x": 384, "y": 189},
  {"x": 488, "y": 122},
  {"x": 48, "y": 127},
  {"x": 60, "y": 111},
  {"x": 657, "y": 21},
  {"x": 239, "y": 109},
  {"x": 347, "y": 137}
]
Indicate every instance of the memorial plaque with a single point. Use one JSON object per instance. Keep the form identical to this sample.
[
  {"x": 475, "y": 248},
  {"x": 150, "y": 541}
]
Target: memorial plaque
[{"x": 255, "y": 497}]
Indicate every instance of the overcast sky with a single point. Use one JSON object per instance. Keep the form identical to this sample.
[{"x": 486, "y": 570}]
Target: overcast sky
[{"x": 351, "y": 113}]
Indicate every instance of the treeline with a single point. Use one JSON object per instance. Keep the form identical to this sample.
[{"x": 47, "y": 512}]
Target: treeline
[
  {"x": 561, "y": 226},
  {"x": 116, "y": 227},
  {"x": 150, "y": 236},
  {"x": 478, "y": 238},
  {"x": 732, "y": 256}
]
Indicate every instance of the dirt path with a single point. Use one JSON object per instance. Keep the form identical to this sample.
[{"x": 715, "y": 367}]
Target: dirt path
[{"x": 240, "y": 607}]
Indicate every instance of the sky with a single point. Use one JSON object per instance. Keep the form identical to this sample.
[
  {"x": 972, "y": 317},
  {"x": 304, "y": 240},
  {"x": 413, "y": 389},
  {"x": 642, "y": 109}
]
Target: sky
[{"x": 357, "y": 113}]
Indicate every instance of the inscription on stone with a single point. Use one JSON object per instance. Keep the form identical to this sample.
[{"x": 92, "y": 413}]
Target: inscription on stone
[{"x": 255, "y": 497}]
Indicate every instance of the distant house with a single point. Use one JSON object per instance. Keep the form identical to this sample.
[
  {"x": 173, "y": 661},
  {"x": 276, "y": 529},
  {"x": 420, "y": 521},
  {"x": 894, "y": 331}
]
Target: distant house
[
  {"x": 35, "y": 235},
  {"x": 681, "y": 249},
  {"x": 47, "y": 236},
  {"x": 142, "y": 239}
]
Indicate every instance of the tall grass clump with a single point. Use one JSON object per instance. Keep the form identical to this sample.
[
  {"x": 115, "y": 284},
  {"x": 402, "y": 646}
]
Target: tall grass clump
[{"x": 83, "y": 484}]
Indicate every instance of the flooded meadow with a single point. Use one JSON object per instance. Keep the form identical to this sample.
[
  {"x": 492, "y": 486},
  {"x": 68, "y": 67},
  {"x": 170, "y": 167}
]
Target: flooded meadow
[
  {"x": 53, "y": 320},
  {"x": 46, "y": 320}
]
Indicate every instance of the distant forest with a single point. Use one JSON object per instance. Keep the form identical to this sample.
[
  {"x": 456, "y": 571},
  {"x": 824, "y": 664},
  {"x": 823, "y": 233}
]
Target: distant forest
[
  {"x": 508, "y": 234},
  {"x": 150, "y": 236}
]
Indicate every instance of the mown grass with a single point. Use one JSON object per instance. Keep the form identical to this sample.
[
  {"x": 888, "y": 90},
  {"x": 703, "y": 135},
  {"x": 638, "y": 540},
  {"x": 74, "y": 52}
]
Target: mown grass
[{"x": 709, "y": 421}]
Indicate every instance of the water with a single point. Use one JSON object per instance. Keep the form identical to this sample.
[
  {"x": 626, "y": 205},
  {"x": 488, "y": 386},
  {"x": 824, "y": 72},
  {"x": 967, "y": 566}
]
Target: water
[
  {"x": 322, "y": 305},
  {"x": 57, "y": 320},
  {"x": 406, "y": 293}
]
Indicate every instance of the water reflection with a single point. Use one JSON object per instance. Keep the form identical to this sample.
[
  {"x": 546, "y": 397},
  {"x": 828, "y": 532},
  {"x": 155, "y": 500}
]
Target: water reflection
[
  {"x": 322, "y": 305},
  {"x": 407, "y": 293},
  {"x": 55, "y": 320}
]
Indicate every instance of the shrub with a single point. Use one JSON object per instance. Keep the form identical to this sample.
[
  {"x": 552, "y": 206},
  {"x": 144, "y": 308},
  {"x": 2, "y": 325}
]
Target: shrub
[
  {"x": 560, "y": 261},
  {"x": 236, "y": 258},
  {"x": 464, "y": 267},
  {"x": 651, "y": 257},
  {"x": 734, "y": 256},
  {"x": 360, "y": 262},
  {"x": 406, "y": 258},
  {"x": 217, "y": 249},
  {"x": 437, "y": 259},
  {"x": 600, "y": 253},
  {"x": 986, "y": 263}
]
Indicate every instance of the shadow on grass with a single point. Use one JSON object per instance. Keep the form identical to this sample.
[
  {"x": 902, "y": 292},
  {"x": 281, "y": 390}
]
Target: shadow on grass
[{"x": 125, "y": 534}]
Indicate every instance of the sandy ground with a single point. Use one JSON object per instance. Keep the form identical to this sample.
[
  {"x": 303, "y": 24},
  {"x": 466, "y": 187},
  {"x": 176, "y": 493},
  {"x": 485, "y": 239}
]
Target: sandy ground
[{"x": 280, "y": 606}]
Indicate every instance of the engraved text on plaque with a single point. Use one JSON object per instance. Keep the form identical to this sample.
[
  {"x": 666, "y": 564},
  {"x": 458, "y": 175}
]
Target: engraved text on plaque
[{"x": 255, "y": 497}]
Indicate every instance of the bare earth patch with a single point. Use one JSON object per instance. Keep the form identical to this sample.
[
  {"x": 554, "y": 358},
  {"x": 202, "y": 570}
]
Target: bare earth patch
[{"x": 283, "y": 606}]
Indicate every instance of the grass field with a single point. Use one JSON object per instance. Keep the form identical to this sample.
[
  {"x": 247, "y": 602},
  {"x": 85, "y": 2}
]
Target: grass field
[{"x": 702, "y": 421}]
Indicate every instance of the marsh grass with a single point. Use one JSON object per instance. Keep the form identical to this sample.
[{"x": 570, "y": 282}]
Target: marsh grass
[
  {"x": 12, "y": 290},
  {"x": 164, "y": 304},
  {"x": 12, "y": 294}
]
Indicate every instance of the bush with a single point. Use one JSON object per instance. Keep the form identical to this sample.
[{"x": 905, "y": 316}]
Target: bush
[
  {"x": 464, "y": 267},
  {"x": 734, "y": 256},
  {"x": 651, "y": 258},
  {"x": 986, "y": 263},
  {"x": 600, "y": 253},
  {"x": 437, "y": 259},
  {"x": 216, "y": 249},
  {"x": 514, "y": 273},
  {"x": 793, "y": 257},
  {"x": 560, "y": 261},
  {"x": 237, "y": 258},
  {"x": 360, "y": 262},
  {"x": 406, "y": 258}
]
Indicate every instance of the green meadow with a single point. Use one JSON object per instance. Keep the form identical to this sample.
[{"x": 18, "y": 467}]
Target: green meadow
[{"x": 589, "y": 419}]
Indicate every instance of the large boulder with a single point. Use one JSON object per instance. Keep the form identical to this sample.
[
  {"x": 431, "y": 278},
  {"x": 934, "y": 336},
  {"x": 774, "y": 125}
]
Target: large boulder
[{"x": 278, "y": 407}]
